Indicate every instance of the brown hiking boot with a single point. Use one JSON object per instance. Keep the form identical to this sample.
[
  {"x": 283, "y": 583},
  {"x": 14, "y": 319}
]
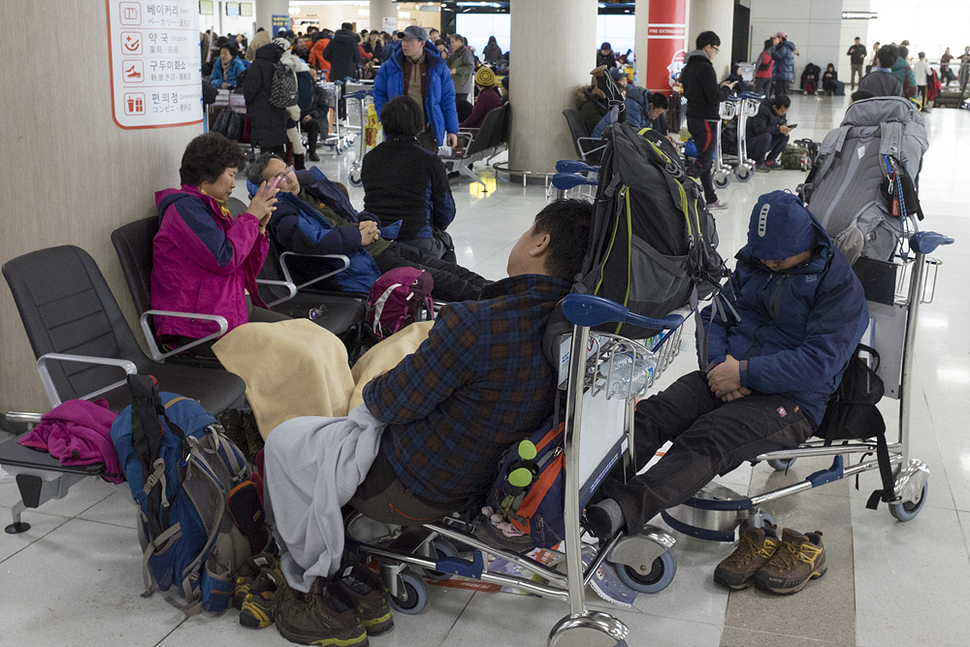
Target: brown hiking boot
[
  {"x": 326, "y": 616},
  {"x": 800, "y": 558},
  {"x": 369, "y": 591},
  {"x": 754, "y": 549}
]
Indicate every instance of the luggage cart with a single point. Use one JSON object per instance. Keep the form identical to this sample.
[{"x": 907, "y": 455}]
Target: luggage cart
[
  {"x": 356, "y": 109},
  {"x": 339, "y": 139},
  {"x": 644, "y": 562},
  {"x": 904, "y": 284},
  {"x": 739, "y": 108}
]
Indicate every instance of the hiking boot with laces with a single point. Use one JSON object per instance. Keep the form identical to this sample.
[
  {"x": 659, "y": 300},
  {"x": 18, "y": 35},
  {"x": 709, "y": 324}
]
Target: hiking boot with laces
[
  {"x": 247, "y": 574},
  {"x": 799, "y": 558},
  {"x": 258, "y": 609},
  {"x": 369, "y": 591},
  {"x": 326, "y": 616},
  {"x": 754, "y": 549}
]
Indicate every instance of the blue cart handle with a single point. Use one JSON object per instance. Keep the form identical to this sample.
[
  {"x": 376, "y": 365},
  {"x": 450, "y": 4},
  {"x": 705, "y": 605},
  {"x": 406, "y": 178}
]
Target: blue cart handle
[
  {"x": 924, "y": 242},
  {"x": 573, "y": 166},
  {"x": 588, "y": 310},
  {"x": 565, "y": 181}
]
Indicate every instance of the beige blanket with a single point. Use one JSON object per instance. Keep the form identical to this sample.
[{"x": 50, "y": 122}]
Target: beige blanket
[{"x": 296, "y": 368}]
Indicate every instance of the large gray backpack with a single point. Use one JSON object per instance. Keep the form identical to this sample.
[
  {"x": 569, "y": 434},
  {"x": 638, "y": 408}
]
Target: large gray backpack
[{"x": 862, "y": 187}]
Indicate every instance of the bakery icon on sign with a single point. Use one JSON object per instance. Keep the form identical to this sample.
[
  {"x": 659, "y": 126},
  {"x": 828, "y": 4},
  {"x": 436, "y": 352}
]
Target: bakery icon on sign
[
  {"x": 134, "y": 71},
  {"x": 130, "y": 13},
  {"x": 130, "y": 43}
]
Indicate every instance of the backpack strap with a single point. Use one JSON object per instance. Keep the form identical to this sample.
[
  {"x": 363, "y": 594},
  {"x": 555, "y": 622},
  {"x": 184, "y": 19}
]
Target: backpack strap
[{"x": 379, "y": 309}]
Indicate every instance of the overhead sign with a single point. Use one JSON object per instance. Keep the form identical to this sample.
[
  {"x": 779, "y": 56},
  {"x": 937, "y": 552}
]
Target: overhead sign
[
  {"x": 154, "y": 57},
  {"x": 280, "y": 24}
]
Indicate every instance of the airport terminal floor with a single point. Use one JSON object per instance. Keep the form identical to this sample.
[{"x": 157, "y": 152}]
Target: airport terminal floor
[{"x": 75, "y": 577}]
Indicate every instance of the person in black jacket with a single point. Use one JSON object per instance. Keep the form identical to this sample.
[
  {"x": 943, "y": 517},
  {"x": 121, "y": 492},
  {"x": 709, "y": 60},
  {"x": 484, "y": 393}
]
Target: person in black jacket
[
  {"x": 267, "y": 122},
  {"x": 830, "y": 79},
  {"x": 403, "y": 181},
  {"x": 343, "y": 52},
  {"x": 767, "y": 132},
  {"x": 699, "y": 81},
  {"x": 606, "y": 56}
]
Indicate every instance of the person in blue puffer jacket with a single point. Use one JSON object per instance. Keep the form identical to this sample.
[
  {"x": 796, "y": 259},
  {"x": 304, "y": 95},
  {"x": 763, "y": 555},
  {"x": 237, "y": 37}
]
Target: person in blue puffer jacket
[
  {"x": 783, "y": 51},
  {"x": 229, "y": 70},
  {"x": 435, "y": 95},
  {"x": 773, "y": 358}
]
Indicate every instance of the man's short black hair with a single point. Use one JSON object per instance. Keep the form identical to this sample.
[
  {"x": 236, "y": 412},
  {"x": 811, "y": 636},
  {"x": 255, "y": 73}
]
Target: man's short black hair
[
  {"x": 346, "y": 25},
  {"x": 903, "y": 52},
  {"x": 781, "y": 101},
  {"x": 858, "y": 38},
  {"x": 568, "y": 223},
  {"x": 768, "y": 43},
  {"x": 401, "y": 117},
  {"x": 859, "y": 95},
  {"x": 207, "y": 157},
  {"x": 658, "y": 100},
  {"x": 887, "y": 55},
  {"x": 706, "y": 38}
]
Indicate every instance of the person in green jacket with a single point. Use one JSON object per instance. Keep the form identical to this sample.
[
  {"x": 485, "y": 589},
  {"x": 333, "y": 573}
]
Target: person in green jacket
[{"x": 902, "y": 71}]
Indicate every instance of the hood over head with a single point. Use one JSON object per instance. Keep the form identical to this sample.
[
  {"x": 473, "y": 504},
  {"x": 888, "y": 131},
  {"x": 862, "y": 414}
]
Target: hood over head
[{"x": 782, "y": 227}]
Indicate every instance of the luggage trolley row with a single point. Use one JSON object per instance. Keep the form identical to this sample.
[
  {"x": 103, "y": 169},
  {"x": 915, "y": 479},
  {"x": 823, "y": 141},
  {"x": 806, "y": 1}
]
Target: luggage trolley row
[{"x": 741, "y": 108}]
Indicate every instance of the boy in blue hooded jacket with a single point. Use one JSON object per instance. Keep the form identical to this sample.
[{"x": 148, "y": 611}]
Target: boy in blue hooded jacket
[{"x": 773, "y": 359}]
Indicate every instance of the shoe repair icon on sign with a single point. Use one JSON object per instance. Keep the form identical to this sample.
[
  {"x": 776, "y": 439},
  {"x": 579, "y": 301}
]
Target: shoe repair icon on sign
[{"x": 134, "y": 72}]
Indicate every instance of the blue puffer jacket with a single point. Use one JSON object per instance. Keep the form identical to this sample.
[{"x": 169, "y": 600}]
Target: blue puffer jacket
[
  {"x": 783, "y": 53},
  {"x": 236, "y": 68},
  {"x": 796, "y": 329},
  {"x": 439, "y": 103}
]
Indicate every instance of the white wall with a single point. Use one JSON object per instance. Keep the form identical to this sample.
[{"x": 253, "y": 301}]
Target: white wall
[
  {"x": 929, "y": 25},
  {"x": 814, "y": 26}
]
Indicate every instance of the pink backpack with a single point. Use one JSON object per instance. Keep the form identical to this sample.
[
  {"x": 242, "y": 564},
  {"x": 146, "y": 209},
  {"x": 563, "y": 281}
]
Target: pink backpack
[{"x": 399, "y": 297}]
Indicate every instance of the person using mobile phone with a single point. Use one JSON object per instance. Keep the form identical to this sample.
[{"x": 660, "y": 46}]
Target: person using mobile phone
[
  {"x": 767, "y": 133},
  {"x": 206, "y": 261}
]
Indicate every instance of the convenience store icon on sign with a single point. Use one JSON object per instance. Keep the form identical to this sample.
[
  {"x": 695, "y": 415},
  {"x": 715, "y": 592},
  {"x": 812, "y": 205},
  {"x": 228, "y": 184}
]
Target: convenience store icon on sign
[{"x": 134, "y": 103}]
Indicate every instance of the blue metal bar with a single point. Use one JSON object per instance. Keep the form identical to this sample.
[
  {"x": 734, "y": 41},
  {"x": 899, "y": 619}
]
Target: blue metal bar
[{"x": 589, "y": 310}]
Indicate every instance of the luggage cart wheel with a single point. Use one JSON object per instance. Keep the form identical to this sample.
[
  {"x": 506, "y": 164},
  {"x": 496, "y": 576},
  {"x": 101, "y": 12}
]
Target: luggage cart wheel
[
  {"x": 743, "y": 173},
  {"x": 722, "y": 180},
  {"x": 659, "y": 577},
  {"x": 412, "y": 596},
  {"x": 907, "y": 510},
  {"x": 781, "y": 464},
  {"x": 443, "y": 548},
  {"x": 354, "y": 178}
]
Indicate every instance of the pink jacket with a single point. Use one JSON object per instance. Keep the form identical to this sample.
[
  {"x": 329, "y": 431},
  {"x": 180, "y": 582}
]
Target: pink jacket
[
  {"x": 78, "y": 432},
  {"x": 203, "y": 262}
]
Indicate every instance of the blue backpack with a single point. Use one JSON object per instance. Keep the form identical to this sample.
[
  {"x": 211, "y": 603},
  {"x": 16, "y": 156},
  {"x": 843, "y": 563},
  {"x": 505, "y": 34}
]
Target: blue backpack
[{"x": 181, "y": 467}]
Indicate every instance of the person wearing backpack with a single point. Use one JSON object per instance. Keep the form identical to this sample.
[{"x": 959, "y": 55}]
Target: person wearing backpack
[
  {"x": 701, "y": 90},
  {"x": 902, "y": 71},
  {"x": 267, "y": 122},
  {"x": 796, "y": 312},
  {"x": 763, "y": 66}
]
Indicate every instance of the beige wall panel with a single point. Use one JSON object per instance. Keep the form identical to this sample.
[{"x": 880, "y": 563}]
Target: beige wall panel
[{"x": 71, "y": 175}]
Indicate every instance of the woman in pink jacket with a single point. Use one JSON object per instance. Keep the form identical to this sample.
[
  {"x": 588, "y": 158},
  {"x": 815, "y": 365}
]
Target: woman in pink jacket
[{"x": 204, "y": 260}]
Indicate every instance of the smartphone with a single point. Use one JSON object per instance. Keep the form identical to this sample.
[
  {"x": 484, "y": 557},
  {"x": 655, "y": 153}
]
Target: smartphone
[
  {"x": 275, "y": 182},
  {"x": 793, "y": 125}
]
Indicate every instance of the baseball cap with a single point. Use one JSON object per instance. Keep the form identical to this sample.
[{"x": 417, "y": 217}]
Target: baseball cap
[
  {"x": 781, "y": 34},
  {"x": 414, "y": 32}
]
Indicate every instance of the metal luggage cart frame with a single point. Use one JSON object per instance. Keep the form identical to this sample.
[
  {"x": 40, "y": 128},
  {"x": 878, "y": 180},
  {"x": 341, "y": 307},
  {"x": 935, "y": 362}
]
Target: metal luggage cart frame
[
  {"x": 716, "y": 511},
  {"x": 644, "y": 561},
  {"x": 356, "y": 109},
  {"x": 337, "y": 139},
  {"x": 741, "y": 108}
]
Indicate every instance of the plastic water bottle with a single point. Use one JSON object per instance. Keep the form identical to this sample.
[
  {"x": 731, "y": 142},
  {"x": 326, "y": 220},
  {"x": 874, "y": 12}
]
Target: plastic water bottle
[{"x": 625, "y": 381}]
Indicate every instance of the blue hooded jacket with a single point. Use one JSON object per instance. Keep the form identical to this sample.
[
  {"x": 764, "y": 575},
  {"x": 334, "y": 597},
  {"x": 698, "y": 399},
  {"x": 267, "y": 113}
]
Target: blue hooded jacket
[
  {"x": 439, "y": 103},
  {"x": 784, "y": 55},
  {"x": 796, "y": 329}
]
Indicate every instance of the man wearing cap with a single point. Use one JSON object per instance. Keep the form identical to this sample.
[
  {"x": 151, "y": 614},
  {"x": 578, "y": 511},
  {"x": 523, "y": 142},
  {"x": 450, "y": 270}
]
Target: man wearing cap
[
  {"x": 783, "y": 51},
  {"x": 488, "y": 98},
  {"x": 415, "y": 69},
  {"x": 796, "y": 313}
]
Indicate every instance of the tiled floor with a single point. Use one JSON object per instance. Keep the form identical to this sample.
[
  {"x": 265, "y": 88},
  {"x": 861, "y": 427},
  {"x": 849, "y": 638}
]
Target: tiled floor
[{"x": 75, "y": 578}]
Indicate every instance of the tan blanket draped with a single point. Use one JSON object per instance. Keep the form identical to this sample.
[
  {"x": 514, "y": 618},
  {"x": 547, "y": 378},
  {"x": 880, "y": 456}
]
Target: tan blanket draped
[{"x": 296, "y": 368}]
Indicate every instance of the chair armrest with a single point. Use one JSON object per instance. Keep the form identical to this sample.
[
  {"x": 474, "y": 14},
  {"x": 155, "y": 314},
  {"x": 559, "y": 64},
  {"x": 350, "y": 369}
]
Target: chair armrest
[
  {"x": 286, "y": 284},
  {"x": 45, "y": 376},
  {"x": 344, "y": 260},
  {"x": 157, "y": 354},
  {"x": 23, "y": 417},
  {"x": 594, "y": 142}
]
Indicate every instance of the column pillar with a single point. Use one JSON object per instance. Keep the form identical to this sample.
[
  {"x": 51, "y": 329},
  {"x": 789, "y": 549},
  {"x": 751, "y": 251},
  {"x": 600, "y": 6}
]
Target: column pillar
[
  {"x": 266, "y": 9},
  {"x": 380, "y": 9},
  {"x": 716, "y": 16},
  {"x": 543, "y": 79}
]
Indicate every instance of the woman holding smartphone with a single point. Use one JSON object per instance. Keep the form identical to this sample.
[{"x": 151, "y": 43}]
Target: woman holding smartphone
[{"x": 206, "y": 261}]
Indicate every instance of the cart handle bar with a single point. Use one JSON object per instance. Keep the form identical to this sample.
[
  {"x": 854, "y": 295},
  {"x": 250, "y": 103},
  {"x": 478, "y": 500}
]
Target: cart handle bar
[
  {"x": 588, "y": 310},
  {"x": 924, "y": 242},
  {"x": 566, "y": 181}
]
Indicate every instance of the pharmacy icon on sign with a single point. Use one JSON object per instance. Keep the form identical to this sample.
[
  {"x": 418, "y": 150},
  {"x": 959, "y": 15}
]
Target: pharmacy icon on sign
[
  {"x": 130, "y": 13},
  {"x": 134, "y": 103},
  {"x": 130, "y": 43},
  {"x": 134, "y": 71}
]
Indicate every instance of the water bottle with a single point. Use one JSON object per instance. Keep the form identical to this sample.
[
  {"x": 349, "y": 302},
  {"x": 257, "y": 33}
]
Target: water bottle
[{"x": 630, "y": 374}]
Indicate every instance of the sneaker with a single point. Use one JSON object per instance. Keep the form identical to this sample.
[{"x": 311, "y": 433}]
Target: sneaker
[
  {"x": 247, "y": 574},
  {"x": 323, "y": 616},
  {"x": 754, "y": 549},
  {"x": 762, "y": 168},
  {"x": 772, "y": 164},
  {"x": 313, "y": 157},
  {"x": 258, "y": 609},
  {"x": 369, "y": 591},
  {"x": 717, "y": 204},
  {"x": 799, "y": 558}
]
